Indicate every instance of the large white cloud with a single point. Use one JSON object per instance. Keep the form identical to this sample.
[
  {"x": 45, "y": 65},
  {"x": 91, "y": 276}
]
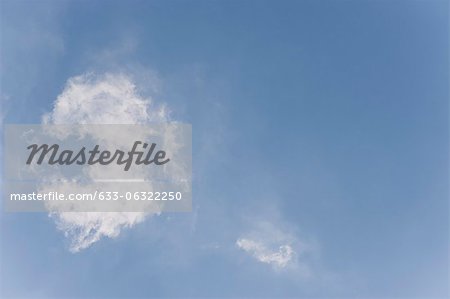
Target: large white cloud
[
  {"x": 101, "y": 99},
  {"x": 104, "y": 99}
]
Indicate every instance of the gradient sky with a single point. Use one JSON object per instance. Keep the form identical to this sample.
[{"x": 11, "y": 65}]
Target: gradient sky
[{"x": 326, "y": 121}]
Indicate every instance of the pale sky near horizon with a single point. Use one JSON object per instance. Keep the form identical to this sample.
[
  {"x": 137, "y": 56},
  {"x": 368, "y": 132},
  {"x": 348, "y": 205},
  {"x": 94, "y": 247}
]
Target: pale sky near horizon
[{"x": 320, "y": 146}]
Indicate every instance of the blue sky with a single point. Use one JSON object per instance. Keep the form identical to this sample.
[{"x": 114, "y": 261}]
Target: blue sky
[{"x": 322, "y": 124}]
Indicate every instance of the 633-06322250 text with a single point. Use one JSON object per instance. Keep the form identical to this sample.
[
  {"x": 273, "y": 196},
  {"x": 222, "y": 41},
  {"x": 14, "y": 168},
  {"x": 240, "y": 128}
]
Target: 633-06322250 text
[{"x": 100, "y": 195}]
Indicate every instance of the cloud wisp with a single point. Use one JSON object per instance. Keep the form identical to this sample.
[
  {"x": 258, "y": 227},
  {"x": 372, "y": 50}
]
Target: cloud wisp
[
  {"x": 278, "y": 245},
  {"x": 277, "y": 258}
]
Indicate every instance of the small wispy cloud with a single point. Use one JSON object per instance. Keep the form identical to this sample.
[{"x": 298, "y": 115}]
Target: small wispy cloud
[
  {"x": 278, "y": 245},
  {"x": 279, "y": 258}
]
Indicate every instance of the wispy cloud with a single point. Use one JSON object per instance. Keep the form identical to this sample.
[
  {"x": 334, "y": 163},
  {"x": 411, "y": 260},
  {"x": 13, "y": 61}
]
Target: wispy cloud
[
  {"x": 101, "y": 99},
  {"x": 279, "y": 245},
  {"x": 278, "y": 258},
  {"x": 104, "y": 99}
]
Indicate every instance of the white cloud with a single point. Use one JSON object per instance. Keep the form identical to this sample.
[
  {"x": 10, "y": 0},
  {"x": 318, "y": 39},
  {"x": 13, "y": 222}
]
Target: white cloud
[
  {"x": 106, "y": 99},
  {"x": 279, "y": 258},
  {"x": 100, "y": 99},
  {"x": 86, "y": 228},
  {"x": 278, "y": 245}
]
